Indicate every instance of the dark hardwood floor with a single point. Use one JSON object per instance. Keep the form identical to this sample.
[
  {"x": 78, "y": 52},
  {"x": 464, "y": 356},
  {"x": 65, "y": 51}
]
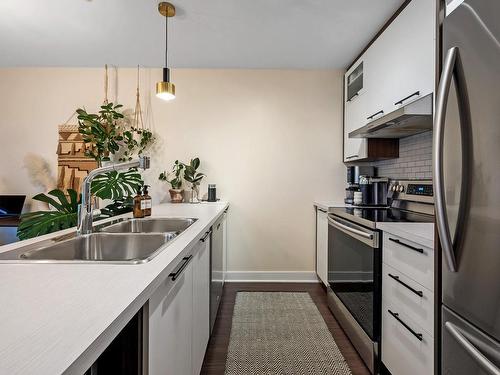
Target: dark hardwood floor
[{"x": 215, "y": 357}]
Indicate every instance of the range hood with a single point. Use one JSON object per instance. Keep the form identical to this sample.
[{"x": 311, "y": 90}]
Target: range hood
[{"x": 413, "y": 118}]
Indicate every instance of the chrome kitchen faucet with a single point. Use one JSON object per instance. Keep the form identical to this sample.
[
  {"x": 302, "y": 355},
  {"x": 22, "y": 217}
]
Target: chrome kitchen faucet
[{"x": 85, "y": 212}]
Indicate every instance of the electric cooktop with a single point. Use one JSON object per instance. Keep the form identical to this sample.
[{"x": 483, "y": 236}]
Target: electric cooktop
[
  {"x": 412, "y": 202},
  {"x": 371, "y": 216}
]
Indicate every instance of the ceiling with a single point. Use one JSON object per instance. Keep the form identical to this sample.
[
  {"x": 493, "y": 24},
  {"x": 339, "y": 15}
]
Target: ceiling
[{"x": 308, "y": 34}]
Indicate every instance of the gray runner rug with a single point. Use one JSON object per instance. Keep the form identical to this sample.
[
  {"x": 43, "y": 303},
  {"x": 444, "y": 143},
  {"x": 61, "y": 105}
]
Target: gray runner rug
[{"x": 281, "y": 333}]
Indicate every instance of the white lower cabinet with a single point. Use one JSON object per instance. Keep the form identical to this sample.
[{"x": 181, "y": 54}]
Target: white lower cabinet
[
  {"x": 179, "y": 317},
  {"x": 407, "y": 306},
  {"x": 403, "y": 353},
  {"x": 170, "y": 325},
  {"x": 322, "y": 245},
  {"x": 201, "y": 304},
  {"x": 412, "y": 298}
]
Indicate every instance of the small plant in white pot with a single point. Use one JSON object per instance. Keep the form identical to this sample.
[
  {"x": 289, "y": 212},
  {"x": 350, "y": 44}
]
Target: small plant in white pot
[{"x": 175, "y": 182}]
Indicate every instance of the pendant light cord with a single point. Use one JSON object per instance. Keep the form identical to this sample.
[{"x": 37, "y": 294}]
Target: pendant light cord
[{"x": 166, "y": 42}]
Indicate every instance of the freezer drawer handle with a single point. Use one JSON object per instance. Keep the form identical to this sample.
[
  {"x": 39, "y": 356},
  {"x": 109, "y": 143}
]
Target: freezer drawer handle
[
  {"x": 416, "y": 93},
  {"x": 381, "y": 112},
  {"x": 486, "y": 364},
  {"x": 182, "y": 265},
  {"x": 396, "y": 316},
  {"x": 417, "y": 292},
  {"x": 452, "y": 70},
  {"x": 417, "y": 249},
  {"x": 206, "y": 236},
  {"x": 351, "y": 157}
]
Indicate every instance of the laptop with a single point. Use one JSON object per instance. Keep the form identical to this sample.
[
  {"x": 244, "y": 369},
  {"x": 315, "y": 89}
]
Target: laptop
[{"x": 11, "y": 205}]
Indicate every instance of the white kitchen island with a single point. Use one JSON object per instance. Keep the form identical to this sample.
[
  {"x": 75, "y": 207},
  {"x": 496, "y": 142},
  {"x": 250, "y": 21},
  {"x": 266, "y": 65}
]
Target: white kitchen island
[{"x": 58, "y": 318}]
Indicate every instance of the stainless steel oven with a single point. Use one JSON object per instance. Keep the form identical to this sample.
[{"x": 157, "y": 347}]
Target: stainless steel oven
[{"x": 355, "y": 278}]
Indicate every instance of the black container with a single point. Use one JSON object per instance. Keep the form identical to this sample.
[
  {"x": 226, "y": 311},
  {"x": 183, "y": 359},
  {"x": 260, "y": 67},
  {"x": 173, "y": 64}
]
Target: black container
[
  {"x": 212, "y": 193},
  {"x": 365, "y": 186}
]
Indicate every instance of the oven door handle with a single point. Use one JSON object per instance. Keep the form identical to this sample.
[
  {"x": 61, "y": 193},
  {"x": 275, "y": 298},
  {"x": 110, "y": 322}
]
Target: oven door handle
[{"x": 335, "y": 223}]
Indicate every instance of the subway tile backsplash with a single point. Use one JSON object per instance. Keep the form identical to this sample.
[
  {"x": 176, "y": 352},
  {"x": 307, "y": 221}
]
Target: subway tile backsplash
[{"x": 415, "y": 159}]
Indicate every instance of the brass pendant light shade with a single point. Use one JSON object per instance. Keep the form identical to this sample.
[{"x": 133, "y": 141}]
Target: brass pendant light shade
[{"x": 165, "y": 89}]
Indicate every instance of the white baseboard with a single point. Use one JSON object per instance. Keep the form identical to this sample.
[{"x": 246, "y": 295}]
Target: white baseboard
[{"x": 272, "y": 276}]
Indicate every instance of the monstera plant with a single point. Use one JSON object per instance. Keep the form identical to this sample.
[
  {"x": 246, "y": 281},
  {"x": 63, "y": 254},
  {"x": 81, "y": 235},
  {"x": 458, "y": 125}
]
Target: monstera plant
[
  {"x": 117, "y": 186},
  {"x": 64, "y": 216}
]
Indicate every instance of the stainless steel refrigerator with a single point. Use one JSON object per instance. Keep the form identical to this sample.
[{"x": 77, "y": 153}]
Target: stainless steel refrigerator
[{"x": 467, "y": 188}]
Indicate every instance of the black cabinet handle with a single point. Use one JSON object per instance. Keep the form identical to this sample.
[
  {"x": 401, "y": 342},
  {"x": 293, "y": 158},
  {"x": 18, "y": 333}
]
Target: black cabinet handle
[
  {"x": 375, "y": 114},
  {"x": 351, "y": 157},
  {"x": 408, "y": 97},
  {"x": 321, "y": 210},
  {"x": 352, "y": 97},
  {"x": 174, "y": 275},
  {"x": 204, "y": 238},
  {"x": 396, "y": 316},
  {"x": 417, "y": 292},
  {"x": 417, "y": 249}
]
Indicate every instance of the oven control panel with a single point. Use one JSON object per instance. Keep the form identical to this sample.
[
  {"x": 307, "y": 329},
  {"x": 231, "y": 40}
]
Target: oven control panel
[
  {"x": 420, "y": 189},
  {"x": 413, "y": 190}
]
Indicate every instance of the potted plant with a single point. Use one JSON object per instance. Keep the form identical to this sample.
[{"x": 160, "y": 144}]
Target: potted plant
[
  {"x": 175, "y": 182},
  {"x": 102, "y": 131},
  {"x": 193, "y": 177}
]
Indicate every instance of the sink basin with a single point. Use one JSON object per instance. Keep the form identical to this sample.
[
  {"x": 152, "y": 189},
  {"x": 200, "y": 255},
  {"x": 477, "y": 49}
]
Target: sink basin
[
  {"x": 150, "y": 225},
  {"x": 97, "y": 247},
  {"x": 129, "y": 241}
]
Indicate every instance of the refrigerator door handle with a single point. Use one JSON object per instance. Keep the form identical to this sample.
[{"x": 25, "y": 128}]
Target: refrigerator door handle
[
  {"x": 452, "y": 69},
  {"x": 479, "y": 357}
]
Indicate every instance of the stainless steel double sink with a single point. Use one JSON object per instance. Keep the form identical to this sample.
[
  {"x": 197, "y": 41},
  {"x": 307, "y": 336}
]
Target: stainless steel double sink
[{"x": 130, "y": 241}]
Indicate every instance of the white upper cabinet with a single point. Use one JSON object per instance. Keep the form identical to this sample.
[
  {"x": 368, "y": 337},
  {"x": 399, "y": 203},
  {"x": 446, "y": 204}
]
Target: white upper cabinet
[
  {"x": 398, "y": 67},
  {"x": 378, "y": 87},
  {"x": 400, "y": 64},
  {"x": 411, "y": 65},
  {"x": 354, "y": 115}
]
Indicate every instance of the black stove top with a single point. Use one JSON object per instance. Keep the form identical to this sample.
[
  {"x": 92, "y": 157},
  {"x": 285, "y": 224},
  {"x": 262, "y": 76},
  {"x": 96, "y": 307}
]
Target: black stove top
[{"x": 373, "y": 215}]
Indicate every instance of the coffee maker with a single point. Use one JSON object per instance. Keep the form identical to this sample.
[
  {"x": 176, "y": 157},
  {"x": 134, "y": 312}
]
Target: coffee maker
[
  {"x": 355, "y": 175},
  {"x": 362, "y": 180}
]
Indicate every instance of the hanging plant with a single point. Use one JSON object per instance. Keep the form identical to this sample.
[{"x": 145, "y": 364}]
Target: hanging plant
[
  {"x": 138, "y": 138},
  {"x": 136, "y": 141}
]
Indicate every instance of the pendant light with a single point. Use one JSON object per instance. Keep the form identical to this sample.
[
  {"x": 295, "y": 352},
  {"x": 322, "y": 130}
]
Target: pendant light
[{"x": 165, "y": 89}]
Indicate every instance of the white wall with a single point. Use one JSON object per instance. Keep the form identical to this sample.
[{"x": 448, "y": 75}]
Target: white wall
[{"x": 270, "y": 139}]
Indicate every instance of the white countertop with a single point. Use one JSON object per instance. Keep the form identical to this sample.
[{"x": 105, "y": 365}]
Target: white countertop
[
  {"x": 422, "y": 233},
  {"x": 58, "y": 318},
  {"x": 328, "y": 205}
]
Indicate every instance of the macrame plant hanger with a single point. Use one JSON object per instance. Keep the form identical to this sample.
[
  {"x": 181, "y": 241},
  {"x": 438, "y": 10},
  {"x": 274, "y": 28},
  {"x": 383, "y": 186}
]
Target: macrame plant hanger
[
  {"x": 106, "y": 84},
  {"x": 138, "y": 122}
]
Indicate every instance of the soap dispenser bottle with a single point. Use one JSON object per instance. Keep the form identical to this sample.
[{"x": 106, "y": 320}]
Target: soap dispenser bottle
[
  {"x": 148, "y": 202},
  {"x": 138, "y": 204}
]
